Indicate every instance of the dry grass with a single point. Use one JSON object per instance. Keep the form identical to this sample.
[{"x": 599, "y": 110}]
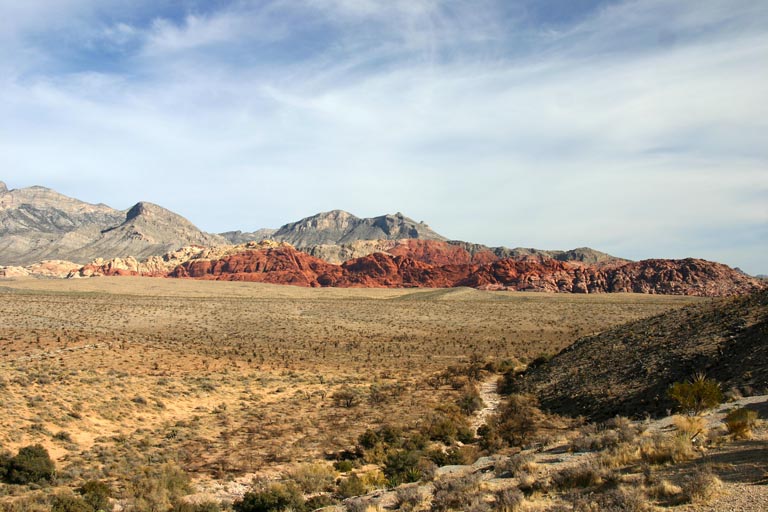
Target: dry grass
[{"x": 113, "y": 374}]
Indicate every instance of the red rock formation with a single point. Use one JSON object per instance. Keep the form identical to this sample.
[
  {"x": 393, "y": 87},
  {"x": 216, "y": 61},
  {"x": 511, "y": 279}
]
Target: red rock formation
[{"x": 285, "y": 265}]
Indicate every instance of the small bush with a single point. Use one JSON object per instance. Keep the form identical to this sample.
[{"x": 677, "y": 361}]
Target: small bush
[
  {"x": 402, "y": 466},
  {"x": 343, "y": 466},
  {"x": 31, "y": 465},
  {"x": 69, "y": 503},
  {"x": 740, "y": 422},
  {"x": 508, "y": 500},
  {"x": 701, "y": 486},
  {"x": 666, "y": 449},
  {"x": 96, "y": 494},
  {"x": 696, "y": 395},
  {"x": 275, "y": 497},
  {"x": 312, "y": 478},
  {"x": 352, "y": 486},
  {"x": 456, "y": 493},
  {"x": 690, "y": 426},
  {"x": 587, "y": 475},
  {"x": 347, "y": 396},
  {"x": 512, "y": 466}
]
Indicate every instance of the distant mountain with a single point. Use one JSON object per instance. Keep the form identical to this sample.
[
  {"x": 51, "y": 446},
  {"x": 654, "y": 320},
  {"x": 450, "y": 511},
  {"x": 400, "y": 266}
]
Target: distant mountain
[
  {"x": 37, "y": 223},
  {"x": 240, "y": 237},
  {"x": 726, "y": 340},
  {"x": 339, "y": 227}
]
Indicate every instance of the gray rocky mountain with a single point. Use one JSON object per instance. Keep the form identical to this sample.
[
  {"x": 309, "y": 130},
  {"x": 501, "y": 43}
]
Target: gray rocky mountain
[
  {"x": 340, "y": 227},
  {"x": 241, "y": 237},
  {"x": 585, "y": 255},
  {"x": 37, "y": 223}
]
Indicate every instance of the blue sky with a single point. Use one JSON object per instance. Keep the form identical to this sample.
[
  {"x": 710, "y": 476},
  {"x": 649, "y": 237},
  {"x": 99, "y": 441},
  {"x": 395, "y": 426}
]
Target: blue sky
[{"x": 636, "y": 127}]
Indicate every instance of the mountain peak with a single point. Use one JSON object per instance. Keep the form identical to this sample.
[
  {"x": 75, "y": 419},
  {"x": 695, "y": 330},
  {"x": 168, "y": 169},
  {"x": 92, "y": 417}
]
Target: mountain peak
[
  {"x": 144, "y": 208},
  {"x": 340, "y": 227}
]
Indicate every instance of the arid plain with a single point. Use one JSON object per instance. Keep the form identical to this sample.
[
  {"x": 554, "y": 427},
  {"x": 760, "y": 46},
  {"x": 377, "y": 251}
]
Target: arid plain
[{"x": 226, "y": 379}]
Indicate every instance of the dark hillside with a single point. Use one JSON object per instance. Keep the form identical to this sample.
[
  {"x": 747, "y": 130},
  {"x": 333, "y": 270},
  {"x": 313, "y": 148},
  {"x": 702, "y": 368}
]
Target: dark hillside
[{"x": 627, "y": 370}]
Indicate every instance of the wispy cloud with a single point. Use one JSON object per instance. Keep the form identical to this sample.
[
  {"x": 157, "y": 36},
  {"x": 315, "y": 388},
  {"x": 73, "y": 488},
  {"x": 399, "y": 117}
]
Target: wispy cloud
[{"x": 637, "y": 127}]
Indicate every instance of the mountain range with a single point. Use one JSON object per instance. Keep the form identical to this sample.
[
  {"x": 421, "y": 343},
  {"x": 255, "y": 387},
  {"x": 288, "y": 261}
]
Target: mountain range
[
  {"x": 332, "y": 248},
  {"x": 37, "y": 223}
]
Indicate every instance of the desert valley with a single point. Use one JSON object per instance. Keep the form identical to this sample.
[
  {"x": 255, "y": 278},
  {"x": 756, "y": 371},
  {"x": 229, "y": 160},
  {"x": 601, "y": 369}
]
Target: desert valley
[{"x": 346, "y": 363}]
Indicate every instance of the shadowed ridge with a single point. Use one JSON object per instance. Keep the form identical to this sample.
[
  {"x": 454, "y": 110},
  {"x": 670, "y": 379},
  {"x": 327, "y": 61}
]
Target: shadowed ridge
[{"x": 627, "y": 370}]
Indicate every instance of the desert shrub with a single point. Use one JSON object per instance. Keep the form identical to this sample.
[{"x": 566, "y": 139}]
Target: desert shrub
[
  {"x": 69, "y": 503},
  {"x": 508, "y": 500},
  {"x": 594, "y": 440},
  {"x": 5, "y": 464},
  {"x": 346, "y": 396},
  {"x": 585, "y": 475},
  {"x": 374, "y": 480},
  {"x": 32, "y": 464},
  {"x": 696, "y": 395},
  {"x": 408, "y": 498},
  {"x": 516, "y": 424},
  {"x": 511, "y": 466},
  {"x": 312, "y": 478},
  {"x": 701, "y": 486},
  {"x": 690, "y": 426},
  {"x": 469, "y": 401},
  {"x": 343, "y": 466},
  {"x": 273, "y": 498},
  {"x": 450, "y": 457},
  {"x": 456, "y": 493},
  {"x": 740, "y": 422},
  {"x": 662, "y": 449},
  {"x": 624, "y": 499},
  {"x": 157, "y": 487},
  {"x": 352, "y": 486},
  {"x": 402, "y": 466},
  {"x": 96, "y": 494},
  {"x": 319, "y": 501},
  {"x": 206, "y": 506}
]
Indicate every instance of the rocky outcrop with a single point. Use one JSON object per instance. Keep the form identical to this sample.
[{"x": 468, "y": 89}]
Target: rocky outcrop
[
  {"x": 286, "y": 265},
  {"x": 340, "y": 227},
  {"x": 49, "y": 269},
  {"x": 240, "y": 237},
  {"x": 161, "y": 266},
  {"x": 484, "y": 254}
]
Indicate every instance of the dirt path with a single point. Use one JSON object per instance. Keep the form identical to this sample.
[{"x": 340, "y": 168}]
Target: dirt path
[{"x": 491, "y": 399}]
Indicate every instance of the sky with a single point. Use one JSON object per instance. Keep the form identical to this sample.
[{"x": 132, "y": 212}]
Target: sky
[{"x": 636, "y": 127}]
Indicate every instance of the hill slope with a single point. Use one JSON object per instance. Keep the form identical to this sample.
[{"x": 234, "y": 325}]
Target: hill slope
[
  {"x": 37, "y": 223},
  {"x": 627, "y": 370}
]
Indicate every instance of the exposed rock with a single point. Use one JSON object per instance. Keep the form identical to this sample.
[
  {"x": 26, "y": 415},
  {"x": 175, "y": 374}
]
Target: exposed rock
[
  {"x": 161, "y": 266},
  {"x": 725, "y": 339},
  {"x": 37, "y": 224},
  {"x": 240, "y": 237},
  {"x": 49, "y": 268},
  {"x": 484, "y": 254},
  {"x": 340, "y": 227},
  {"x": 285, "y": 265}
]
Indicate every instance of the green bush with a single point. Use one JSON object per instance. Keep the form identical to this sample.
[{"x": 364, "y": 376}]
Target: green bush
[
  {"x": 31, "y": 465},
  {"x": 352, "y": 486},
  {"x": 157, "y": 487},
  {"x": 696, "y": 395},
  {"x": 402, "y": 466},
  {"x": 69, "y": 503},
  {"x": 96, "y": 494},
  {"x": 274, "y": 498}
]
